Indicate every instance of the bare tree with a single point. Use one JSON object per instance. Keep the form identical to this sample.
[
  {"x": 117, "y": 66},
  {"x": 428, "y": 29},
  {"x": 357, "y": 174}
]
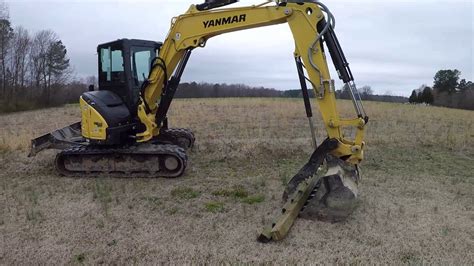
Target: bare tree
[
  {"x": 4, "y": 10},
  {"x": 6, "y": 34},
  {"x": 91, "y": 80},
  {"x": 49, "y": 62},
  {"x": 366, "y": 92},
  {"x": 38, "y": 50},
  {"x": 19, "y": 57}
]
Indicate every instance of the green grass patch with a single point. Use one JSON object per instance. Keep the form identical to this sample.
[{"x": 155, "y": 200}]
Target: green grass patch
[
  {"x": 32, "y": 195},
  {"x": 102, "y": 193},
  {"x": 4, "y": 148},
  {"x": 214, "y": 206},
  {"x": 172, "y": 210},
  {"x": 152, "y": 202},
  {"x": 410, "y": 258},
  {"x": 185, "y": 193},
  {"x": 79, "y": 258},
  {"x": 34, "y": 216},
  {"x": 238, "y": 192},
  {"x": 253, "y": 199}
]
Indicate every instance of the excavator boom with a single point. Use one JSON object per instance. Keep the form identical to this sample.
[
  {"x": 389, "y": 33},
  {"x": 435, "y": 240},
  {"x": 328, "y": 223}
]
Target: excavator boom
[{"x": 310, "y": 30}]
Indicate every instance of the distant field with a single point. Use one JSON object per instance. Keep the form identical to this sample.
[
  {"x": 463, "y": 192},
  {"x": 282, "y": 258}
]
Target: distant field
[{"x": 417, "y": 200}]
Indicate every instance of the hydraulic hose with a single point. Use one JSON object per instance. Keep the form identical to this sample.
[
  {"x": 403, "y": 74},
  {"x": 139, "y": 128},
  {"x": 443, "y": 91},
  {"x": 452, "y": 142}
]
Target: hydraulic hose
[
  {"x": 338, "y": 58},
  {"x": 332, "y": 24}
]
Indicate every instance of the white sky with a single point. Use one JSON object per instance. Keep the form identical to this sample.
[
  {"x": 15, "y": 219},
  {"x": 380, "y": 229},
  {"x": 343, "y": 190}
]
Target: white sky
[{"x": 392, "y": 45}]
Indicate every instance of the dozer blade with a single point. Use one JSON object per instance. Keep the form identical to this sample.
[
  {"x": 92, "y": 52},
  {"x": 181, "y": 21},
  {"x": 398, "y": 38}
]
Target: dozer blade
[{"x": 59, "y": 139}]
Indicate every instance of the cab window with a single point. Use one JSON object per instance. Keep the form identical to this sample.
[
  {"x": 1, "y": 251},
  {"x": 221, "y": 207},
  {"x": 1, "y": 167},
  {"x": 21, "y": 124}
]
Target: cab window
[
  {"x": 112, "y": 68},
  {"x": 141, "y": 58}
]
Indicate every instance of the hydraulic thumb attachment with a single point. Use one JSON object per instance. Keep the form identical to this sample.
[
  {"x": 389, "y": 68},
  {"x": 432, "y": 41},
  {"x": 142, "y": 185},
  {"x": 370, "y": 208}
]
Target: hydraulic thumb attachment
[
  {"x": 310, "y": 168},
  {"x": 316, "y": 193}
]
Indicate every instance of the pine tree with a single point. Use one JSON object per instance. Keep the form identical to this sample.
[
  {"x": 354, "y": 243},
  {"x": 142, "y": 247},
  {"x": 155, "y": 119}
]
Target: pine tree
[
  {"x": 57, "y": 61},
  {"x": 413, "y": 97},
  {"x": 427, "y": 95},
  {"x": 419, "y": 97}
]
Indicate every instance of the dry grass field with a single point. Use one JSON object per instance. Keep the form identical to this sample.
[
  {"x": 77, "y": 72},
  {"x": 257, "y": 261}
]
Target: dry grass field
[{"x": 417, "y": 192}]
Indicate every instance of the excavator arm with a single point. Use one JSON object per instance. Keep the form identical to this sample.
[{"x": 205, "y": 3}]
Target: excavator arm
[{"x": 310, "y": 30}]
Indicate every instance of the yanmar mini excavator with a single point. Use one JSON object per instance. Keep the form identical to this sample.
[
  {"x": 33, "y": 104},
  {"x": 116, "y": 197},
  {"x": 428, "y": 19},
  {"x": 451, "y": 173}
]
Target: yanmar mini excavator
[{"x": 124, "y": 127}]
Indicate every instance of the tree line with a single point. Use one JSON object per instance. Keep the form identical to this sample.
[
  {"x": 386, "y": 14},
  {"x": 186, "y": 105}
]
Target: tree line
[
  {"x": 367, "y": 94},
  {"x": 209, "y": 90},
  {"x": 33, "y": 65},
  {"x": 448, "y": 90}
]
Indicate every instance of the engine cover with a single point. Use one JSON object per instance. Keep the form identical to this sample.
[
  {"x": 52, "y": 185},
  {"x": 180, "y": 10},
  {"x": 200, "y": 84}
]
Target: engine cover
[{"x": 105, "y": 118}]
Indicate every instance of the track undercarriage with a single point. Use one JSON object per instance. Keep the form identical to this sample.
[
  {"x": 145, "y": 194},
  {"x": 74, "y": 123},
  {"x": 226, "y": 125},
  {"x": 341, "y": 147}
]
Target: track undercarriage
[
  {"x": 144, "y": 160},
  {"x": 163, "y": 156}
]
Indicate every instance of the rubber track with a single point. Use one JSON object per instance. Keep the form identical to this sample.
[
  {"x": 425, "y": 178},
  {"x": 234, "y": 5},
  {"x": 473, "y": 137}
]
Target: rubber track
[
  {"x": 172, "y": 135},
  {"x": 144, "y": 152}
]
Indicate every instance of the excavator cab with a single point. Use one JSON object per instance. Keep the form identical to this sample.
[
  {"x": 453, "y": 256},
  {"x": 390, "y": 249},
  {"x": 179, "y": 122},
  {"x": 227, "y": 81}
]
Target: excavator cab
[
  {"x": 123, "y": 66},
  {"x": 107, "y": 114}
]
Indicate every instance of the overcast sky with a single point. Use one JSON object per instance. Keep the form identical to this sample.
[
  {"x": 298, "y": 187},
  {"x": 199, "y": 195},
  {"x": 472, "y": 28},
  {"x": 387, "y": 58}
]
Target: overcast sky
[{"x": 392, "y": 45}]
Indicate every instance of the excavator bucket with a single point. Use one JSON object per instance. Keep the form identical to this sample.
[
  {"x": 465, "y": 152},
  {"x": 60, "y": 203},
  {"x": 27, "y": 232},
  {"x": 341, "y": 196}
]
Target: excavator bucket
[
  {"x": 326, "y": 188},
  {"x": 59, "y": 139},
  {"x": 335, "y": 196}
]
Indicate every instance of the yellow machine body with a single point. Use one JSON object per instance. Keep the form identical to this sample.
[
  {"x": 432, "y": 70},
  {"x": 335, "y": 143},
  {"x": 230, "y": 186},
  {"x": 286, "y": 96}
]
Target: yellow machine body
[
  {"x": 137, "y": 128},
  {"x": 93, "y": 125}
]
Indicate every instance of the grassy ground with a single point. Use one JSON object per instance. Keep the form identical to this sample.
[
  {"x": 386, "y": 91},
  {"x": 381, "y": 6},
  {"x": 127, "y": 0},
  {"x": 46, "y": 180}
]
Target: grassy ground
[{"x": 417, "y": 200}]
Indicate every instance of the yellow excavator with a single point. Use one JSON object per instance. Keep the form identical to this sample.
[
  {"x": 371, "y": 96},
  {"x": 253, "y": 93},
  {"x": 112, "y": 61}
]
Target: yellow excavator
[{"x": 124, "y": 126}]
